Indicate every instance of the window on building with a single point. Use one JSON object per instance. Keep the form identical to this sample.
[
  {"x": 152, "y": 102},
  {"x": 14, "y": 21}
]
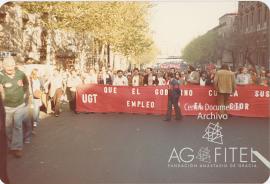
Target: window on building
[
  {"x": 241, "y": 23},
  {"x": 246, "y": 21},
  {"x": 266, "y": 11},
  {"x": 252, "y": 19},
  {"x": 259, "y": 16}
]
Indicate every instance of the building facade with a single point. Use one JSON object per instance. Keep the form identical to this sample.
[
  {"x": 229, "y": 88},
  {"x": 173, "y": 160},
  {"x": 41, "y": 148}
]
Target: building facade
[
  {"x": 226, "y": 24},
  {"x": 226, "y": 29},
  {"x": 253, "y": 22}
]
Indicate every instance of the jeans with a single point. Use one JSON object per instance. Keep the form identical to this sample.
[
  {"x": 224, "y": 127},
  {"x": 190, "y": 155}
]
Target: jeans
[
  {"x": 173, "y": 102},
  {"x": 36, "y": 110},
  {"x": 18, "y": 126},
  {"x": 72, "y": 99}
]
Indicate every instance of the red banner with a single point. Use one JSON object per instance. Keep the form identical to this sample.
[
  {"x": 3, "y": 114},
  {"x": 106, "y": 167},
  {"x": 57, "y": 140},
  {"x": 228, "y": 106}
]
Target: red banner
[
  {"x": 170, "y": 65},
  {"x": 249, "y": 101}
]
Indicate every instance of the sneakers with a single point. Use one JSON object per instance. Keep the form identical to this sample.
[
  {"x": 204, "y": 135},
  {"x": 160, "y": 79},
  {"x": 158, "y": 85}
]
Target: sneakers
[{"x": 35, "y": 124}]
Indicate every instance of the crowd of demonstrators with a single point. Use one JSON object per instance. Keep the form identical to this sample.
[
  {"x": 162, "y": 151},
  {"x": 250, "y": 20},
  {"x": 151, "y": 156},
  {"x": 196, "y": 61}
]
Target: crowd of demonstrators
[
  {"x": 246, "y": 76},
  {"x": 156, "y": 77},
  {"x": 65, "y": 81},
  {"x": 48, "y": 91}
]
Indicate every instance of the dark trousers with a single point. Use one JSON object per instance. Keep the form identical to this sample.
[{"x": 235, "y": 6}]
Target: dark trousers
[
  {"x": 173, "y": 102},
  {"x": 71, "y": 95},
  {"x": 57, "y": 100},
  {"x": 223, "y": 101}
]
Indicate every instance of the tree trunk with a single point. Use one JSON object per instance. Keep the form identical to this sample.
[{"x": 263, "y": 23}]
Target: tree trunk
[
  {"x": 49, "y": 48},
  {"x": 233, "y": 60},
  {"x": 108, "y": 54},
  {"x": 101, "y": 54}
]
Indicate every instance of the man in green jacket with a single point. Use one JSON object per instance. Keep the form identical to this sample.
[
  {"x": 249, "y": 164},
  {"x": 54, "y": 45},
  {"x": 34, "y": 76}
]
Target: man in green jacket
[{"x": 14, "y": 88}]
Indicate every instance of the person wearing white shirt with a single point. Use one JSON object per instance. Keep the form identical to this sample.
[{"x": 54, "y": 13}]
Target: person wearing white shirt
[
  {"x": 203, "y": 79},
  {"x": 120, "y": 80},
  {"x": 104, "y": 77},
  {"x": 91, "y": 78},
  {"x": 161, "y": 80},
  {"x": 244, "y": 77},
  {"x": 136, "y": 79},
  {"x": 36, "y": 91},
  {"x": 56, "y": 90}
]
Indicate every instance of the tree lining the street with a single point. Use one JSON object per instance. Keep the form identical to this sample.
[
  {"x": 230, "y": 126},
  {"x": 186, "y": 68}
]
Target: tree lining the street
[
  {"x": 121, "y": 26},
  {"x": 202, "y": 49}
]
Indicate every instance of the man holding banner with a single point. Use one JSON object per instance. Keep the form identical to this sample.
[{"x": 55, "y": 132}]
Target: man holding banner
[{"x": 173, "y": 98}]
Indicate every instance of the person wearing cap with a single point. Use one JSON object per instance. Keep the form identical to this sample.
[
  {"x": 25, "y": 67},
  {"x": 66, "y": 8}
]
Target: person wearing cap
[{"x": 14, "y": 88}]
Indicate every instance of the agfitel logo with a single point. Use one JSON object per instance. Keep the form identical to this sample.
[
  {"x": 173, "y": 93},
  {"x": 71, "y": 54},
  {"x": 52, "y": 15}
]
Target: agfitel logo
[
  {"x": 204, "y": 155},
  {"x": 213, "y": 133},
  {"x": 218, "y": 157}
]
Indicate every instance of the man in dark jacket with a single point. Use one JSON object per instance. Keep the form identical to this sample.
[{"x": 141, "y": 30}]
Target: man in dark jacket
[
  {"x": 3, "y": 145},
  {"x": 173, "y": 97}
]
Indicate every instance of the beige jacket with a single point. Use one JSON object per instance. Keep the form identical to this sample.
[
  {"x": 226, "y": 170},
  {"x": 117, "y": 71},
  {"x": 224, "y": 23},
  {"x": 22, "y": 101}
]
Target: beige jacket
[{"x": 224, "y": 81}]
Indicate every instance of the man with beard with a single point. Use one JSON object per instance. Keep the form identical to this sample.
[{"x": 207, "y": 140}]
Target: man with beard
[{"x": 120, "y": 79}]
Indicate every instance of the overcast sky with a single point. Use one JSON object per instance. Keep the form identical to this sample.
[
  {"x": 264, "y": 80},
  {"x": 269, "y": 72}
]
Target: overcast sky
[{"x": 174, "y": 24}]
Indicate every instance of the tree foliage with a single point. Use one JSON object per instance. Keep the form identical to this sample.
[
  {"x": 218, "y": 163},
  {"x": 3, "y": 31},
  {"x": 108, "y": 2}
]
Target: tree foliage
[
  {"x": 147, "y": 57},
  {"x": 122, "y": 25},
  {"x": 202, "y": 49}
]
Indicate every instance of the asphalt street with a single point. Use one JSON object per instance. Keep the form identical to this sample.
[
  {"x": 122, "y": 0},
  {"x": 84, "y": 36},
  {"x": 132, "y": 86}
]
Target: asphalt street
[{"x": 130, "y": 148}]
